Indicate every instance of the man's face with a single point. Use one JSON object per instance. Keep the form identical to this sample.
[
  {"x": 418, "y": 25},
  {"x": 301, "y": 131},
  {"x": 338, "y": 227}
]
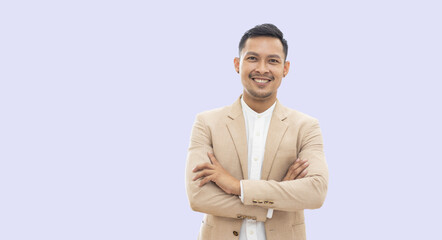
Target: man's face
[{"x": 261, "y": 67}]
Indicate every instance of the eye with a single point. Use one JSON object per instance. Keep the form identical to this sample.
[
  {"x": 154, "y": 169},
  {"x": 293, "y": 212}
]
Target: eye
[
  {"x": 274, "y": 60},
  {"x": 252, "y": 58}
]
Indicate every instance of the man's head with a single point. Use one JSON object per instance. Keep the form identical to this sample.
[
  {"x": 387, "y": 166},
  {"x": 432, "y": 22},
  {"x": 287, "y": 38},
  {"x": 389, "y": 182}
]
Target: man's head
[
  {"x": 262, "y": 62},
  {"x": 264, "y": 30}
]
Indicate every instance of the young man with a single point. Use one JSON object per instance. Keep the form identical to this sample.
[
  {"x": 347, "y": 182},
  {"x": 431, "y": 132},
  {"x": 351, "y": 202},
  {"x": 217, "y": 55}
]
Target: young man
[{"x": 254, "y": 166}]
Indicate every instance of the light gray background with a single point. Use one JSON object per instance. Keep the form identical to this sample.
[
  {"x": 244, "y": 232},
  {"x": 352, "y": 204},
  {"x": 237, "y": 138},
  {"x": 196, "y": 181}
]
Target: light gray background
[{"x": 97, "y": 100}]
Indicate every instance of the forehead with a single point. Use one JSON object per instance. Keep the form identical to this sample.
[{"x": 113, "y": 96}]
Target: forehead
[{"x": 263, "y": 46}]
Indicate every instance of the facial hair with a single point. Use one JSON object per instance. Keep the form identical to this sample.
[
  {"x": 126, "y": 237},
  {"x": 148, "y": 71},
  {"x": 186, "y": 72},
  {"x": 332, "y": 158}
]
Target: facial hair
[{"x": 257, "y": 94}]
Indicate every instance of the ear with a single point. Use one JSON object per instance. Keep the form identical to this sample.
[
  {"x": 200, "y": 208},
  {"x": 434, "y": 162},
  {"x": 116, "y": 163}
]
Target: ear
[
  {"x": 286, "y": 68},
  {"x": 236, "y": 64}
]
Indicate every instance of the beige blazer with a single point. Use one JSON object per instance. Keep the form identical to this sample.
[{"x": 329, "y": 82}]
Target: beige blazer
[{"x": 291, "y": 134}]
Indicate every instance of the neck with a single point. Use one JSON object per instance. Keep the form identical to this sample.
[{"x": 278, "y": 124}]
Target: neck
[{"x": 257, "y": 104}]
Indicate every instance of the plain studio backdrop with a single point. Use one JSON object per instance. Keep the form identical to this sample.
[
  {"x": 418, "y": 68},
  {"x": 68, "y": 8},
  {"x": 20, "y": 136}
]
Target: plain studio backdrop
[{"x": 97, "y": 101}]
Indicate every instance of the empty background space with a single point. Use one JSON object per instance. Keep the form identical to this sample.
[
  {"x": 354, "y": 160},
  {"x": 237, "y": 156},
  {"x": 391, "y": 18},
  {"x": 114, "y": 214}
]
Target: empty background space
[{"x": 97, "y": 101}]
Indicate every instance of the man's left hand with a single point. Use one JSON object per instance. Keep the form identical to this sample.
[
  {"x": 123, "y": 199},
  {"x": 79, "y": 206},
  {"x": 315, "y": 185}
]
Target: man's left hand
[{"x": 216, "y": 173}]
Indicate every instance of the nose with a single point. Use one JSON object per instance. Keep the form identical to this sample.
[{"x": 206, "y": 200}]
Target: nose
[{"x": 262, "y": 67}]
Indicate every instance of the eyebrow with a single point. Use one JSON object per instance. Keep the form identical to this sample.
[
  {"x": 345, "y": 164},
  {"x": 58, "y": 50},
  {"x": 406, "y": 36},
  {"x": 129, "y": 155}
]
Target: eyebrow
[{"x": 270, "y": 56}]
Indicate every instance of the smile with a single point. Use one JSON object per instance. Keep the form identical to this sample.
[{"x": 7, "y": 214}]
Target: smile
[{"x": 260, "y": 80}]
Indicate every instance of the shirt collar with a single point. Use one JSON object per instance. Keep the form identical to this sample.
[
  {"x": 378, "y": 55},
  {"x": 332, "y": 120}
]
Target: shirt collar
[{"x": 251, "y": 112}]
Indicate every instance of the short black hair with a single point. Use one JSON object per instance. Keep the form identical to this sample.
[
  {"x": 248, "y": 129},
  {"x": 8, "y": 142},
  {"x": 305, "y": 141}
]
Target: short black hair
[{"x": 268, "y": 30}]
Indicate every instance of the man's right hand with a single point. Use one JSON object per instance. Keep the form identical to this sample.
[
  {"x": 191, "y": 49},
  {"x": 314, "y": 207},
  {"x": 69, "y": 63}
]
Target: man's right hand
[{"x": 297, "y": 170}]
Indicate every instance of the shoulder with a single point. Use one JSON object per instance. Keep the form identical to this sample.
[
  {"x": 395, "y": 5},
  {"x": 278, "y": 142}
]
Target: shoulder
[
  {"x": 213, "y": 114},
  {"x": 219, "y": 115},
  {"x": 298, "y": 119}
]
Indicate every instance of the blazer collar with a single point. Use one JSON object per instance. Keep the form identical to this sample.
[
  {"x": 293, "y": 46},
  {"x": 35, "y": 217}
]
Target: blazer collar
[
  {"x": 236, "y": 110},
  {"x": 237, "y": 130}
]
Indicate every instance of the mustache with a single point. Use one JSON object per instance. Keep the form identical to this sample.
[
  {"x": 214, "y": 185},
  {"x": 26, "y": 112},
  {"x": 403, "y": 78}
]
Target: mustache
[{"x": 254, "y": 75}]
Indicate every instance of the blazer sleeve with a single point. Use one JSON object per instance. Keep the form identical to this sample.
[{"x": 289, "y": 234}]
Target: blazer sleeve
[
  {"x": 210, "y": 198},
  {"x": 306, "y": 193}
]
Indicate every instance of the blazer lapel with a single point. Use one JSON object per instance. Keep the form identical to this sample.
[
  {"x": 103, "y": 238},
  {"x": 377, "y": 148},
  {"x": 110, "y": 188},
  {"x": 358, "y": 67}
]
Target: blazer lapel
[
  {"x": 237, "y": 130},
  {"x": 275, "y": 134}
]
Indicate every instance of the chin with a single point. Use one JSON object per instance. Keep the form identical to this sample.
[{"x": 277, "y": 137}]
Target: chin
[{"x": 261, "y": 96}]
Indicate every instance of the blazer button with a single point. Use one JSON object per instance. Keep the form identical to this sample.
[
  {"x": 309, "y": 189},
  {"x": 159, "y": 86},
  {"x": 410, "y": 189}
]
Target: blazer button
[{"x": 235, "y": 233}]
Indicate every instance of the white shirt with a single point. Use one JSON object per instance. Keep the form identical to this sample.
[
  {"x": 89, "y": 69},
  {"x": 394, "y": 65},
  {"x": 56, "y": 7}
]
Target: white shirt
[{"x": 257, "y": 126}]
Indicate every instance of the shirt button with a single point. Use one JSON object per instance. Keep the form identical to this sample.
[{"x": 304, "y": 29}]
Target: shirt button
[
  {"x": 251, "y": 232},
  {"x": 255, "y": 158},
  {"x": 235, "y": 233},
  {"x": 257, "y": 134}
]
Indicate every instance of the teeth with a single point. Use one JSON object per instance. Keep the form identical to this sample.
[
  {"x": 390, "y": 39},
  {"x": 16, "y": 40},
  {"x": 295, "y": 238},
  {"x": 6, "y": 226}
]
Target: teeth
[{"x": 260, "y": 80}]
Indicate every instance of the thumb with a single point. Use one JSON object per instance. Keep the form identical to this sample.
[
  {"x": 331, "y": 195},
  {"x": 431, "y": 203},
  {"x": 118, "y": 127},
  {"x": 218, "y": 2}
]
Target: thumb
[{"x": 212, "y": 158}]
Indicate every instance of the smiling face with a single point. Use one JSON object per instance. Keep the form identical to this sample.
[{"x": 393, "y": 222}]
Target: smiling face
[{"x": 261, "y": 66}]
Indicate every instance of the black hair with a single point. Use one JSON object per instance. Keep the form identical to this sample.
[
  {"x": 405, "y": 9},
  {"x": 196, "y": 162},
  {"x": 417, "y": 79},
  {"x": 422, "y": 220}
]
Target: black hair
[{"x": 266, "y": 29}]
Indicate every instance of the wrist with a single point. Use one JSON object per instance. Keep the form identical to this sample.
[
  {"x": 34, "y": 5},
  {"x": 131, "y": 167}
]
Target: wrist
[{"x": 237, "y": 189}]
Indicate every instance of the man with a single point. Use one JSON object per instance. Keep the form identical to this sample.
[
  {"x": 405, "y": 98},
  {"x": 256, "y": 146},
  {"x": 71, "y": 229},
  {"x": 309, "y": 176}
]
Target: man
[{"x": 254, "y": 166}]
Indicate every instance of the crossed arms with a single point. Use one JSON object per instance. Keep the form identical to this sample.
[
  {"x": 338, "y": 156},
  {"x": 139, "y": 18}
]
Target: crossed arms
[
  {"x": 213, "y": 190},
  {"x": 215, "y": 172}
]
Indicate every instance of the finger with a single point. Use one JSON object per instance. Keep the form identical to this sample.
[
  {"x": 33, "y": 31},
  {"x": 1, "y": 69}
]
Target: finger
[
  {"x": 297, "y": 168},
  {"x": 212, "y": 158},
  {"x": 290, "y": 170},
  {"x": 205, "y": 180},
  {"x": 302, "y": 174},
  {"x": 295, "y": 165},
  {"x": 202, "y": 166},
  {"x": 300, "y": 169},
  {"x": 203, "y": 173}
]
